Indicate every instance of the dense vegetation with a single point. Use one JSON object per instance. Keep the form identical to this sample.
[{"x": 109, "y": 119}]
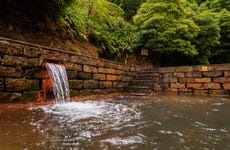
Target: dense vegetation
[{"x": 176, "y": 32}]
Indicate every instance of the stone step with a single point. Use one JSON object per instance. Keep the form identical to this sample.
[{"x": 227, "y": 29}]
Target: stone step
[
  {"x": 137, "y": 94},
  {"x": 138, "y": 89},
  {"x": 154, "y": 74},
  {"x": 147, "y": 78},
  {"x": 150, "y": 70},
  {"x": 142, "y": 83},
  {"x": 143, "y": 78},
  {"x": 148, "y": 75}
]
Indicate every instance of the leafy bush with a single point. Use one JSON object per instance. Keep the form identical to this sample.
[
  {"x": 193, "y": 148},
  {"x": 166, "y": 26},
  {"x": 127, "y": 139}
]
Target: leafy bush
[
  {"x": 184, "y": 32},
  {"x": 101, "y": 23},
  {"x": 164, "y": 27}
]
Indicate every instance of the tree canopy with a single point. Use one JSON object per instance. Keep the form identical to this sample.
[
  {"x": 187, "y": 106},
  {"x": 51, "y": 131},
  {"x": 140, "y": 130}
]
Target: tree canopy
[
  {"x": 183, "y": 29},
  {"x": 130, "y": 7},
  {"x": 164, "y": 26}
]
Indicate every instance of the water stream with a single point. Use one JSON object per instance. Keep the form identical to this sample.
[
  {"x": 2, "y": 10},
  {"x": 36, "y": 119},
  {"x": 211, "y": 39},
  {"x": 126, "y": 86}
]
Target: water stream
[
  {"x": 60, "y": 82},
  {"x": 156, "y": 123}
]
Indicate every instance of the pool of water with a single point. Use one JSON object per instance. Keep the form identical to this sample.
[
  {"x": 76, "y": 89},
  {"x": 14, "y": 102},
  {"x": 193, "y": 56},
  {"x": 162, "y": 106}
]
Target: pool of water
[{"x": 156, "y": 122}]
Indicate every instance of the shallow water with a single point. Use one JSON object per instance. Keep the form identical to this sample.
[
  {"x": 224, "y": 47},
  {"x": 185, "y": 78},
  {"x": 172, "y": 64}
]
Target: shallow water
[{"x": 157, "y": 122}]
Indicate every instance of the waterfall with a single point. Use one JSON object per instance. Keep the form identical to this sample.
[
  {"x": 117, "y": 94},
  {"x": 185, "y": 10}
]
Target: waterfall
[{"x": 60, "y": 83}]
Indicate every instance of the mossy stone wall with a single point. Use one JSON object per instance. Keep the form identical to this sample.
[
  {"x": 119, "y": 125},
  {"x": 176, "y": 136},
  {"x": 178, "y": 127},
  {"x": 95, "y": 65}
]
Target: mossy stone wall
[{"x": 23, "y": 75}]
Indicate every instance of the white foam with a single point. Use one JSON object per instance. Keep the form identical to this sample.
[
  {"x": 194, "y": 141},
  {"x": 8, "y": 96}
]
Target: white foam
[
  {"x": 200, "y": 124},
  {"x": 125, "y": 141},
  {"x": 165, "y": 132},
  {"x": 171, "y": 132},
  {"x": 74, "y": 111},
  {"x": 217, "y": 104}
]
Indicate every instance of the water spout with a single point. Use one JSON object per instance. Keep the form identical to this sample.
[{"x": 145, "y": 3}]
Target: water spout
[{"x": 60, "y": 83}]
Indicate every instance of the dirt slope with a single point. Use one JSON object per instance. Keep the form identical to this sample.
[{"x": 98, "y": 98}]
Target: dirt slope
[{"x": 48, "y": 39}]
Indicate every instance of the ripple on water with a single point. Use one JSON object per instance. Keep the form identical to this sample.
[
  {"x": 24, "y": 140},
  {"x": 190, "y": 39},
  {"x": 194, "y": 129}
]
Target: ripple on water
[
  {"x": 75, "y": 111},
  {"x": 138, "y": 139},
  {"x": 125, "y": 124},
  {"x": 89, "y": 118}
]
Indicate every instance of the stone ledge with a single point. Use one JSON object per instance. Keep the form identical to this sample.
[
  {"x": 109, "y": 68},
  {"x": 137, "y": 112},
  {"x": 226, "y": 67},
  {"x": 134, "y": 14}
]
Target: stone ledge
[
  {"x": 221, "y": 67},
  {"x": 184, "y": 69},
  {"x": 203, "y": 80},
  {"x": 178, "y": 85},
  {"x": 105, "y": 84},
  {"x": 194, "y": 86},
  {"x": 226, "y": 86},
  {"x": 100, "y": 77},
  {"x": 221, "y": 79},
  {"x": 90, "y": 84},
  {"x": 21, "y": 84},
  {"x": 76, "y": 84}
]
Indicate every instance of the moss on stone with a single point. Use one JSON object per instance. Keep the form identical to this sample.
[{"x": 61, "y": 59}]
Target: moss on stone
[
  {"x": 29, "y": 96},
  {"x": 9, "y": 97},
  {"x": 21, "y": 84}
]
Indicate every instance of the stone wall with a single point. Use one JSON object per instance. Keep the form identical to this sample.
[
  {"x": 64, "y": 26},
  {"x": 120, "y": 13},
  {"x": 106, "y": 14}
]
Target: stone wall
[
  {"x": 213, "y": 80},
  {"x": 24, "y": 77}
]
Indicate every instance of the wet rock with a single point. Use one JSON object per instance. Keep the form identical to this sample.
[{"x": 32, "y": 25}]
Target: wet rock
[
  {"x": 1, "y": 84},
  {"x": 21, "y": 84},
  {"x": 84, "y": 76},
  {"x": 21, "y": 61},
  {"x": 90, "y": 84},
  {"x": 9, "y": 97},
  {"x": 10, "y": 71},
  {"x": 76, "y": 84}
]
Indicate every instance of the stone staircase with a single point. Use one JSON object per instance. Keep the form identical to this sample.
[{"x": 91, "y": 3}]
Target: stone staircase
[{"x": 147, "y": 81}]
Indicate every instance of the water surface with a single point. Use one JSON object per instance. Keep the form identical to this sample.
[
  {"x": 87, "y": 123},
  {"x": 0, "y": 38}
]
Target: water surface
[{"x": 156, "y": 122}]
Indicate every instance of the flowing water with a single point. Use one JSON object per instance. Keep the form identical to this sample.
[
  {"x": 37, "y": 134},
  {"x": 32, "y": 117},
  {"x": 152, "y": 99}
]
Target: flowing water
[
  {"x": 60, "y": 82},
  {"x": 153, "y": 123}
]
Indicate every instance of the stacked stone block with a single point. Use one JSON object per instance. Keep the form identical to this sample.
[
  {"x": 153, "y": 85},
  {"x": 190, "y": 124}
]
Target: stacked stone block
[
  {"x": 23, "y": 74},
  {"x": 211, "y": 80}
]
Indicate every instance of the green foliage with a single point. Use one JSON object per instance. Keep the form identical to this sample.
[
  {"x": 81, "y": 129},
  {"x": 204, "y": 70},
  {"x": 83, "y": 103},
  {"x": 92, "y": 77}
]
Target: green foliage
[
  {"x": 130, "y": 7},
  {"x": 107, "y": 29},
  {"x": 113, "y": 38},
  {"x": 163, "y": 26},
  {"x": 225, "y": 28},
  {"x": 208, "y": 36},
  {"x": 200, "y": 1},
  {"x": 221, "y": 8},
  {"x": 217, "y": 5},
  {"x": 55, "y": 8},
  {"x": 190, "y": 31},
  {"x": 74, "y": 19},
  {"x": 222, "y": 53},
  {"x": 100, "y": 22}
]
